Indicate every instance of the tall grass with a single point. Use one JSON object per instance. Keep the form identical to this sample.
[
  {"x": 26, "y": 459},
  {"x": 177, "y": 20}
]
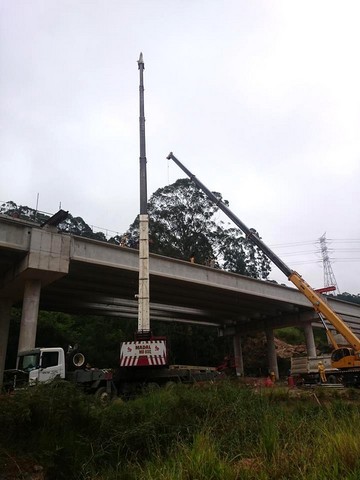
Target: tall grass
[{"x": 222, "y": 432}]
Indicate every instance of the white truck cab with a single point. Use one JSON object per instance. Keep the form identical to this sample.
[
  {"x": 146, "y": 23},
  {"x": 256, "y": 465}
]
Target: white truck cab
[{"x": 42, "y": 364}]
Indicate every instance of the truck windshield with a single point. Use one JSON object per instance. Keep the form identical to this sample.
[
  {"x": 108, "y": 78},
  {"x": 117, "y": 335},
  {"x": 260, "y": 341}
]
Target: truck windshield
[{"x": 28, "y": 362}]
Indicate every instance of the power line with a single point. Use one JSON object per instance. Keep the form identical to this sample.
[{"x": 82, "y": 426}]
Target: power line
[
  {"x": 346, "y": 259},
  {"x": 307, "y": 252},
  {"x": 354, "y": 240},
  {"x": 314, "y": 242},
  {"x": 291, "y": 244}
]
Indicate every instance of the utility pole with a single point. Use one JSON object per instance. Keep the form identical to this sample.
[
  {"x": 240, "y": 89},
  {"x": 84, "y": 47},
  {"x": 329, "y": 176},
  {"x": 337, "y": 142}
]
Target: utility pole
[{"x": 144, "y": 290}]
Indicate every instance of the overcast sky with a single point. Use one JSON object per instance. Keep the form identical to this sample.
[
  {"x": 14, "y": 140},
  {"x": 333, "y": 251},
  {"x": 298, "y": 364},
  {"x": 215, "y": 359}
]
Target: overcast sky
[{"x": 259, "y": 99}]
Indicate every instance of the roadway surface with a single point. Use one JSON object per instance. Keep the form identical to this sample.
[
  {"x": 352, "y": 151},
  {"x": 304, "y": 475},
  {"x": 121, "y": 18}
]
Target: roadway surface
[{"x": 83, "y": 276}]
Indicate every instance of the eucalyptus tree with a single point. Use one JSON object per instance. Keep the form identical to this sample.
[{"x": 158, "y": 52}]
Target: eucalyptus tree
[{"x": 184, "y": 223}]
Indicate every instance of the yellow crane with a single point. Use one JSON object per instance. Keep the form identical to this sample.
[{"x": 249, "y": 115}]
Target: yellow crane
[{"x": 342, "y": 357}]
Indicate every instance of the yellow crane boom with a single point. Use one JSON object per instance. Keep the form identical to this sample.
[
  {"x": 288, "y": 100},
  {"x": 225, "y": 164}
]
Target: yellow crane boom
[{"x": 342, "y": 357}]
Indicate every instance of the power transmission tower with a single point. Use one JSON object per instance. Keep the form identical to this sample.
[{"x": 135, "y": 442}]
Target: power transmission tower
[{"x": 329, "y": 277}]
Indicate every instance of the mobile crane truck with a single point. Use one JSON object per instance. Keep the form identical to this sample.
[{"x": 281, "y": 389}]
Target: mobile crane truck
[
  {"x": 143, "y": 364},
  {"x": 344, "y": 362},
  {"x": 143, "y": 361}
]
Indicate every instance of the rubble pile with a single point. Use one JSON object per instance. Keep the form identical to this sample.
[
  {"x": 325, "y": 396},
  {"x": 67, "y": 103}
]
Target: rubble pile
[
  {"x": 255, "y": 354},
  {"x": 285, "y": 350}
]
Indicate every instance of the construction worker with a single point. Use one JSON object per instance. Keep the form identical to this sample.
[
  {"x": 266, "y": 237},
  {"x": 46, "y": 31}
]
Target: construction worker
[
  {"x": 321, "y": 370},
  {"x": 268, "y": 382},
  {"x": 123, "y": 241}
]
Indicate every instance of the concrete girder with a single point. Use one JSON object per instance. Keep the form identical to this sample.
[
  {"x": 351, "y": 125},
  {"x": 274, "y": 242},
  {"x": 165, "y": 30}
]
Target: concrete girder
[{"x": 110, "y": 270}]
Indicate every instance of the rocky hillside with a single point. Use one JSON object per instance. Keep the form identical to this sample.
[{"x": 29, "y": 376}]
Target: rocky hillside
[{"x": 255, "y": 355}]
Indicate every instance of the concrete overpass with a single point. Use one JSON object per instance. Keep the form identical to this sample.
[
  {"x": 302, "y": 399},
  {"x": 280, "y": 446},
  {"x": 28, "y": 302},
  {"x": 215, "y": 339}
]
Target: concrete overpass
[{"x": 43, "y": 269}]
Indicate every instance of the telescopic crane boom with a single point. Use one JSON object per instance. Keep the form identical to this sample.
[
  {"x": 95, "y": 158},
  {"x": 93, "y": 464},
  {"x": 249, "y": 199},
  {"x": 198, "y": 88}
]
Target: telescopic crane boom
[
  {"x": 341, "y": 357},
  {"x": 144, "y": 290}
]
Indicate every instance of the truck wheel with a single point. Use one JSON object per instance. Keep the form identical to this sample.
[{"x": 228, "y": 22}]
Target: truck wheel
[
  {"x": 102, "y": 396},
  {"x": 332, "y": 379}
]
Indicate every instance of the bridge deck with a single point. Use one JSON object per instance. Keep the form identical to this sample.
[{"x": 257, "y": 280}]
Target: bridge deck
[{"x": 87, "y": 276}]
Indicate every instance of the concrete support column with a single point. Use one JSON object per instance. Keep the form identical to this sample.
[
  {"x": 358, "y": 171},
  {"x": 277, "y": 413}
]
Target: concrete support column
[
  {"x": 239, "y": 361},
  {"x": 5, "y": 309},
  {"x": 310, "y": 341},
  {"x": 271, "y": 352},
  {"x": 29, "y": 317}
]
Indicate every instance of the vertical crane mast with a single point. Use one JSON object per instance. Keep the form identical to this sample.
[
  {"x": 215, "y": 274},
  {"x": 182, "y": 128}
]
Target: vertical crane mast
[
  {"x": 143, "y": 296},
  {"x": 145, "y": 351}
]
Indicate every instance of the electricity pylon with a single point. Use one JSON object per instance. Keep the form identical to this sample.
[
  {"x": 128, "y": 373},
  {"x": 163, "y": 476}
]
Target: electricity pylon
[{"x": 329, "y": 277}]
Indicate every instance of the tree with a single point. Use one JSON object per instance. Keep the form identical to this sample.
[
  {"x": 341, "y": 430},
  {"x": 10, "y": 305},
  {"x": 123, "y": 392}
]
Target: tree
[
  {"x": 72, "y": 225},
  {"x": 239, "y": 255},
  {"x": 183, "y": 221},
  {"x": 349, "y": 297}
]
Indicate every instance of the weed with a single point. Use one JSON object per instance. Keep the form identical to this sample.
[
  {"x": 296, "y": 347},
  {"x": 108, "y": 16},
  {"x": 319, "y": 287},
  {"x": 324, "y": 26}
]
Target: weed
[{"x": 223, "y": 431}]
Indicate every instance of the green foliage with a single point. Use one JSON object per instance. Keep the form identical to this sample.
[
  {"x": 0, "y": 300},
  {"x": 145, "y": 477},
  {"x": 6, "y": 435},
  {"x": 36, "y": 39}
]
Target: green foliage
[
  {"x": 296, "y": 336},
  {"x": 14, "y": 330},
  {"x": 198, "y": 459},
  {"x": 193, "y": 344},
  {"x": 99, "y": 338},
  {"x": 47, "y": 422},
  {"x": 321, "y": 340},
  {"x": 73, "y": 225},
  {"x": 57, "y": 329},
  {"x": 215, "y": 431},
  {"x": 291, "y": 335},
  {"x": 53, "y": 328},
  {"x": 183, "y": 222},
  {"x": 348, "y": 297}
]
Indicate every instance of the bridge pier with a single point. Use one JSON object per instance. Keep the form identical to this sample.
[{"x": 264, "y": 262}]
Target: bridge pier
[
  {"x": 29, "y": 316},
  {"x": 271, "y": 352},
  {"x": 5, "y": 309},
  {"x": 239, "y": 361},
  {"x": 309, "y": 340}
]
